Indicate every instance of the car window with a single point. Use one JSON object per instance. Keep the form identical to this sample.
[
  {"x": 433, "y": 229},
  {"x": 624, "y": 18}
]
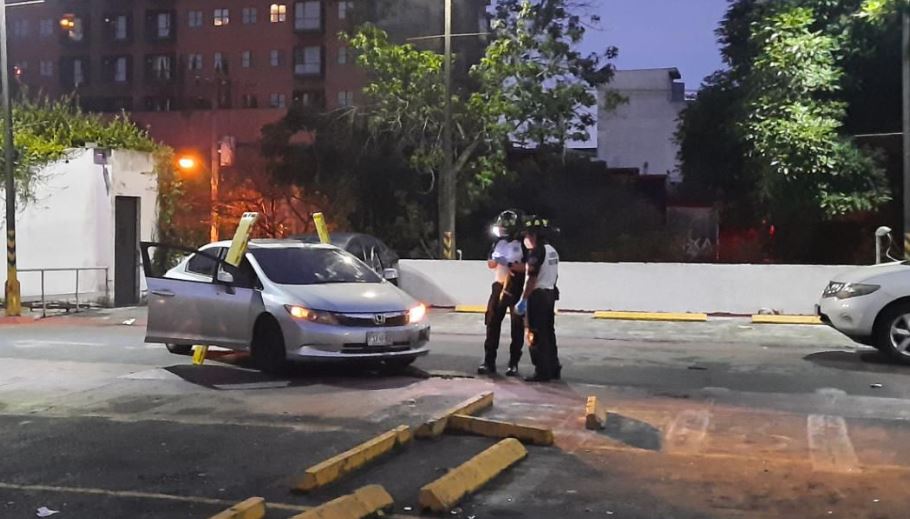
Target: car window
[
  {"x": 204, "y": 265},
  {"x": 312, "y": 266},
  {"x": 245, "y": 277}
]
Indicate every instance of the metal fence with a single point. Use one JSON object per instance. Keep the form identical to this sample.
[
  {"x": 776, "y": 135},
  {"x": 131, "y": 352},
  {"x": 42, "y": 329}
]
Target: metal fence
[{"x": 44, "y": 302}]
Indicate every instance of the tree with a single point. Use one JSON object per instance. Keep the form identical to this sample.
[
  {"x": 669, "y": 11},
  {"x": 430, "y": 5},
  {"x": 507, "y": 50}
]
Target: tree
[
  {"x": 531, "y": 86},
  {"x": 795, "y": 119}
]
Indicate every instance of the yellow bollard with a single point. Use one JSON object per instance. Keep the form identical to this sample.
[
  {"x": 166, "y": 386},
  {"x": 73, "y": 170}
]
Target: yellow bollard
[
  {"x": 199, "y": 353},
  {"x": 321, "y": 228}
]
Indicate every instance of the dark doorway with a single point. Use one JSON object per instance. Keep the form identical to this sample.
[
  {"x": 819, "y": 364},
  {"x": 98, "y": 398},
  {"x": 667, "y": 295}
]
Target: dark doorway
[{"x": 126, "y": 251}]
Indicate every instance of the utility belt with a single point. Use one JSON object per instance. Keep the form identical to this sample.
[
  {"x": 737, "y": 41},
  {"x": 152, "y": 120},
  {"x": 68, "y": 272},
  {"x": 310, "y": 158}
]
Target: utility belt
[{"x": 549, "y": 291}]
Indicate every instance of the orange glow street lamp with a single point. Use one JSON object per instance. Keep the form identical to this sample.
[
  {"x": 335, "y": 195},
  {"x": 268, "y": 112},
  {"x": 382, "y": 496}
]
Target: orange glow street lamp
[{"x": 187, "y": 163}]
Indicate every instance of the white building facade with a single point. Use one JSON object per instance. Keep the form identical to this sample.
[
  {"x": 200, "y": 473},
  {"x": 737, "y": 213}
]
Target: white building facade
[
  {"x": 91, "y": 211},
  {"x": 640, "y": 133}
]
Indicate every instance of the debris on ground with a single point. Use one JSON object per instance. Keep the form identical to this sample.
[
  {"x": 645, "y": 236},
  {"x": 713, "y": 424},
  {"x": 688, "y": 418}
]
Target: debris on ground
[
  {"x": 45, "y": 512},
  {"x": 876, "y": 386},
  {"x": 129, "y": 322},
  {"x": 698, "y": 368}
]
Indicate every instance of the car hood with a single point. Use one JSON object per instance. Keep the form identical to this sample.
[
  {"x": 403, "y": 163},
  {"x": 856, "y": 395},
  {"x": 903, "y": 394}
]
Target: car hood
[
  {"x": 351, "y": 297},
  {"x": 873, "y": 272}
]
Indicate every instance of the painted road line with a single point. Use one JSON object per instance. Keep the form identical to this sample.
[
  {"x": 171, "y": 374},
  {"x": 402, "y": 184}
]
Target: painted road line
[
  {"x": 687, "y": 432},
  {"x": 471, "y": 309},
  {"x": 652, "y": 316},
  {"x": 786, "y": 319},
  {"x": 830, "y": 448},
  {"x": 335, "y": 467},
  {"x": 444, "y": 493},
  {"x": 595, "y": 414},
  {"x": 129, "y": 494},
  {"x": 435, "y": 426},
  {"x": 252, "y": 508}
]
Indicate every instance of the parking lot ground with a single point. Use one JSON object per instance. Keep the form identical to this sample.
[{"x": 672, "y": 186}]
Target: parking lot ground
[{"x": 706, "y": 420}]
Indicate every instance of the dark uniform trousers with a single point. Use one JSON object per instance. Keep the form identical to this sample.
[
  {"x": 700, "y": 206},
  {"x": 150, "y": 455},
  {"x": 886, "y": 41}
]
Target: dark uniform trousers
[
  {"x": 542, "y": 324},
  {"x": 496, "y": 312}
]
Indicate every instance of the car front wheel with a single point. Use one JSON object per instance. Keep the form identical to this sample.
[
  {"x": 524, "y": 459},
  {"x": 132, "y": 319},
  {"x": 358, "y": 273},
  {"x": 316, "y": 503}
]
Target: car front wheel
[
  {"x": 268, "y": 347},
  {"x": 892, "y": 335}
]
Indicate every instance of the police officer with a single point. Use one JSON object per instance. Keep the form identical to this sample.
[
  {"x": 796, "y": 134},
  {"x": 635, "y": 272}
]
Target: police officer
[
  {"x": 538, "y": 303},
  {"x": 506, "y": 260}
]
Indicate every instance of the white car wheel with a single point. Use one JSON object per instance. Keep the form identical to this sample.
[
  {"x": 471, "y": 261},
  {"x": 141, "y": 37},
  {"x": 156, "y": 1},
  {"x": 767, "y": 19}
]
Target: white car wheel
[{"x": 893, "y": 334}]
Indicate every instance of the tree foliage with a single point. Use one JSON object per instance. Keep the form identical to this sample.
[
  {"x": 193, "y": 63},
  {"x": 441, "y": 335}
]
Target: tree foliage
[{"x": 531, "y": 86}]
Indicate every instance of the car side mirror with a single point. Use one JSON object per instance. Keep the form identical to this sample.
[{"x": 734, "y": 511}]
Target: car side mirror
[
  {"x": 390, "y": 274},
  {"x": 225, "y": 277}
]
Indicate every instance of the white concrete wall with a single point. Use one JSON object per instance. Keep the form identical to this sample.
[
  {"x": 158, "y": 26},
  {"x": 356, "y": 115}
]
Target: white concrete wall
[
  {"x": 71, "y": 224},
  {"x": 653, "y": 287},
  {"x": 641, "y": 130}
]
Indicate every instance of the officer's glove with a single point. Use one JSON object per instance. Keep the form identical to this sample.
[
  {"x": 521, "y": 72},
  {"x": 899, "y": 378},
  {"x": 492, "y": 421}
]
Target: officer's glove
[{"x": 521, "y": 307}]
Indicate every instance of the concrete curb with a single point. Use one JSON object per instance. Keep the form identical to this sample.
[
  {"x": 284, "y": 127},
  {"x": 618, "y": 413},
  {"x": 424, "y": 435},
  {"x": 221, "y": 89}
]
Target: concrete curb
[
  {"x": 595, "y": 415},
  {"x": 499, "y": 429},
  {"x": 435, "y": 426},
  {"x": 364, "y": 502},
  {"x": 786, "y": 319},
  {"x": 444, "y": 493},
  {"x": 252, "y": 508},
  {"x": 334, "y": 468},
  {"x": 652, "y": 316}
]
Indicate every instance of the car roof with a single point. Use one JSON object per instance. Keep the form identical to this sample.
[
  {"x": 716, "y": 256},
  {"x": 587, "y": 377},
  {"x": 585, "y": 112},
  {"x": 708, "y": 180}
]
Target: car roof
[
  {"x": 274, "y": 244},
  {"x": 338, "y": 238}
]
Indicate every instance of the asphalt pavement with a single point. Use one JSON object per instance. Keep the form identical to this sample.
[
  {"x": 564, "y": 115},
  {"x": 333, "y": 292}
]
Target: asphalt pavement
[{"x": 723, "y": 419}]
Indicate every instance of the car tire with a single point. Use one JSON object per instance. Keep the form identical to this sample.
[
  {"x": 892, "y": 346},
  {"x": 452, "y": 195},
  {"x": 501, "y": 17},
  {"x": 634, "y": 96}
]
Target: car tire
[
  {"x": 180, "y": 349},
  {"x": 268, "y": 349},
  {"x": 892, "y": 332}
]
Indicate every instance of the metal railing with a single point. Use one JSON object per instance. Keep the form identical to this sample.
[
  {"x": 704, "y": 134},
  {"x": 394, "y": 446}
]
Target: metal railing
[{"x": 77, "y": 270}]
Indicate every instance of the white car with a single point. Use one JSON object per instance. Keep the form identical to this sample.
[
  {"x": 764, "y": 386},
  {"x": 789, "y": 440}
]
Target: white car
[
  {"x": 871, "y": 305},
  {"x": 287, "y": 301}
]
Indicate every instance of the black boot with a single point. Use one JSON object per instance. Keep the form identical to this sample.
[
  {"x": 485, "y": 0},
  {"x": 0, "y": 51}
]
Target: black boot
[
  {"x": 486, "y": 369},
  {"x": 537, "y": 377},
  {"x": 512, "y": 371}
]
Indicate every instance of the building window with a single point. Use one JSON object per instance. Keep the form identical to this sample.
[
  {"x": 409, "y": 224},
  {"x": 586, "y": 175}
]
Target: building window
[
  {"x": 246, "y": 59},
  {"x": 164, "y": 26},
  {"x": 249, "y": 15},
  {"x": 160, "y": 67},
  {"x": 195, "y": 19},
  {"x": 20, "y": 28},
  {"x": 47, "y": 68},
  {"x": 308, "y": 61},
  {"x": 121, "y": 69},
  {"x": 308, "y": 15},
  {"x": 79, "y": 72},
  {"x": 342, "y": 55},
  {"x": 277, "y": 101},
  {"x": 278, "y": 13},
  {"x": 222, "y": 17},
  {"x": 249, "y": 101},
  {"x": 220, "y": 62},
  {"x": 46, "y": 27},
  {"x": 345, "y": 8},
  {"x": 194, "y": 62},
  {"x": 275, "y": 58},
  {"x": 120, "y": 27},
  {"x": 345, "y": 98}
]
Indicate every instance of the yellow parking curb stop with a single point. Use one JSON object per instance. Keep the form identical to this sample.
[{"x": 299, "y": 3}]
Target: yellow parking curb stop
[
  {"x": 199, "y": 353},
  {"x": 444, "y": 493},
  {"x": 595, "y": 415},
  {"x": 471, "y": 309},
  {"x": 652, "y": 316},
  {"x": 335, "y": 467},
  {"x": 252, "y": 508},
  {"x": 498, "y": 429},
  {"x": 786, "y": 319},
  {"x": 435, "y": 426},
  {"x": 364, "y": 502}
]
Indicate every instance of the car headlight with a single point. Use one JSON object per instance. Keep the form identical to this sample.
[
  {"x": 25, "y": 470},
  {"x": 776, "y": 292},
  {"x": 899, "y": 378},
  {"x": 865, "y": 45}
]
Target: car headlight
[
  {"x": 417, "y": 314},
  {"x": 855, "y": 290},
  {"x": 314, "y": 316}
]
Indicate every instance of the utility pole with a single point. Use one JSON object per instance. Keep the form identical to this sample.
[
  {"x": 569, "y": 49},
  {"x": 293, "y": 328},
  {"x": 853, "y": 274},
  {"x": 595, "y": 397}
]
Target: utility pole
[
  {"x": 905, "y": 54},
  {"x": 13, "y": 295},
  {"x": 447, "y": 183},
  {"x": 215, "y": 181}
]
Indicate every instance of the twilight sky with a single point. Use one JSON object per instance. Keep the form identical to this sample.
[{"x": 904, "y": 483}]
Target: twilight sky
[{"x": 661, "y": 33}]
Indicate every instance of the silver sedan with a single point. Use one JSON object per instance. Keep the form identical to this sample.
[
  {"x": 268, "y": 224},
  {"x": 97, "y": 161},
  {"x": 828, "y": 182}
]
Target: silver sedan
[{"x": 286, "y": 301}]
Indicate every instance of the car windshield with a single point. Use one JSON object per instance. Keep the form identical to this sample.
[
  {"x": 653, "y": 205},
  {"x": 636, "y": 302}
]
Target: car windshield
[{"x": 312, "y": 266}]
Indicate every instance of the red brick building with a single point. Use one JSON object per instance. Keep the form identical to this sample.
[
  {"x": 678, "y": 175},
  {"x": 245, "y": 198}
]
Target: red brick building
[{"x": 194, "y": 71}]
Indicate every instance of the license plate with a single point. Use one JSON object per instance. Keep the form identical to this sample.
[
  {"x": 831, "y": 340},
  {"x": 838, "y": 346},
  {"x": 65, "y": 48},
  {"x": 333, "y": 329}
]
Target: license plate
[{"x": 378, "y": 339}]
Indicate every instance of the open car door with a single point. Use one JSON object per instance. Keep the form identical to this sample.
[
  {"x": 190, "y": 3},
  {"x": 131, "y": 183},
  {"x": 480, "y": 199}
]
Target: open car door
[{"x": 216, "y": 311}]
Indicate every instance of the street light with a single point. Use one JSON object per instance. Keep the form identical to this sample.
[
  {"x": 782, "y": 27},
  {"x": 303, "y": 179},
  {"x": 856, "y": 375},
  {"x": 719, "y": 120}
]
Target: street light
[{"x": 187, "y": 163}]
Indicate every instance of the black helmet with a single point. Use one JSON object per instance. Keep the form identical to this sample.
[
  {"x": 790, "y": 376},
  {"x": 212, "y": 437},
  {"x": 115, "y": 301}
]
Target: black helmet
[
  {"x": 540, "y": 227},
  {"x": 508, "y": 223}
]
